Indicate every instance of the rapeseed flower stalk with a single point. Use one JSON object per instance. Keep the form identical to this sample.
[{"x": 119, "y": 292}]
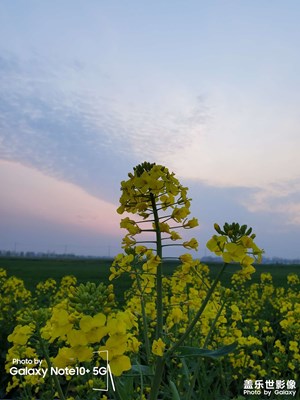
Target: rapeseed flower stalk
[{"x": 155, "y": 195}]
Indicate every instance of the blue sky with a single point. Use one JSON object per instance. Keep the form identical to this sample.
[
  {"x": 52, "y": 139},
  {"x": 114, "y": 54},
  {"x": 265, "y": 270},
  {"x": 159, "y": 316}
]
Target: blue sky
[{"x": 88, "y": 89}]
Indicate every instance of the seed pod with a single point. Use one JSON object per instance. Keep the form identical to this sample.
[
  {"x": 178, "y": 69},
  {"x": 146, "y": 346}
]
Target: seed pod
[
  {"x": 218, "y": 229},
  {"x": 249, "y": 231},
  {"x": 243, "y": 229}
]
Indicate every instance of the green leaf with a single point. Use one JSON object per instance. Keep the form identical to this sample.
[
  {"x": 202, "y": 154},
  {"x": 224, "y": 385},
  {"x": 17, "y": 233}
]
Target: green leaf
[
  {"x": 124, "y": 387},
  {"x": 137, "y": 369},
  {"x": 186, "y": 351},
  {"x": 185, "y": 369},
  {"x": 175, "y": 394}
]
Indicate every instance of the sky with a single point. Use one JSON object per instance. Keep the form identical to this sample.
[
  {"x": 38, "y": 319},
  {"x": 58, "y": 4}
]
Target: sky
[{"x": 89, "y": 89}]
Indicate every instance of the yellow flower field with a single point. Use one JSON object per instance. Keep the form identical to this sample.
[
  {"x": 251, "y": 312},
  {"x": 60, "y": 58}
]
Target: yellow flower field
[{"x": 182, "y": 336}]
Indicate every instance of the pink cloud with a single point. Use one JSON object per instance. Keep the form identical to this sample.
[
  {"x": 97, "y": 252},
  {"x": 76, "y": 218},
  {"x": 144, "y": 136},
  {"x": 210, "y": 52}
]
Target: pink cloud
[{"x": 27, "y": 191}]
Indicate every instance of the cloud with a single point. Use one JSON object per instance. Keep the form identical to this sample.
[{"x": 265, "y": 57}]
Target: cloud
[
  {"x": 91, "y": 131},
  {"x": 36, "y": 195},
  {"x": 282, "y": 199},
  {"x": 59, "y": 132},
  {"x": 80, "y": 135},
  {"x": 250, "y": 140}
]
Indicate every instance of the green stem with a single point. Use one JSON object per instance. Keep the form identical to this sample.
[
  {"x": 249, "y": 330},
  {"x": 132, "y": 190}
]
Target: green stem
[
  {"x": 199, "y": 313},
  {"x": 159, "y": 369},
  {"x": 145, "y": 325},
  {"x": 213, "y": 325},
  {"x": 197, "y": 368},
  {"x": 170, "y": 244},
  {"x": 55, "y": 378},
  {"x": 222, "y": 377},
  {"x": 159, "y": 295},
  {"x": 160, "y": 362}
]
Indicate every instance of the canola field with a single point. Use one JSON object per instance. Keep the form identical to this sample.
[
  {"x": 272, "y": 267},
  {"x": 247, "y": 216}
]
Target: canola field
[
  {"x": 262, "y": 317},
  {"x": 143, "y": 329}
]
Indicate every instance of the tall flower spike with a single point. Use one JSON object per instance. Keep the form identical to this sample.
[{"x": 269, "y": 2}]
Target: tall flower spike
[{"x": 153, "y": 193}]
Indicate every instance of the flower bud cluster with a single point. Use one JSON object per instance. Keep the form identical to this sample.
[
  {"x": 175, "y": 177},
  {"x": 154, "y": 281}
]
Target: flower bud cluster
[
  {"x": 89, "y": 298},
  {"x": 235, "y": 244}
]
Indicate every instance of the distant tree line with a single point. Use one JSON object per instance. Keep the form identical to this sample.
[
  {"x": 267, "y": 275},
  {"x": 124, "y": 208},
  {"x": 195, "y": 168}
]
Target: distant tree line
[
  {"x": 34, "y": 254},
  {"x": 208, "y": 259}
]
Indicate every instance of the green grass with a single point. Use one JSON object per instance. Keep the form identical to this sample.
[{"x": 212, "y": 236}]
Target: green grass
[{"x": 35, "y": 270}]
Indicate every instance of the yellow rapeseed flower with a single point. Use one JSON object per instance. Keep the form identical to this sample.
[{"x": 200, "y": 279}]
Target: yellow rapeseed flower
[
  {"x": 191, "y": 244},
  {"x": 94, "y": 327},
  {"x": 77, "y": 338},
  {"x": 119, "y": 364},
  {"x": 21, "y": 334},
  {"x": 158, "y": 347}
]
